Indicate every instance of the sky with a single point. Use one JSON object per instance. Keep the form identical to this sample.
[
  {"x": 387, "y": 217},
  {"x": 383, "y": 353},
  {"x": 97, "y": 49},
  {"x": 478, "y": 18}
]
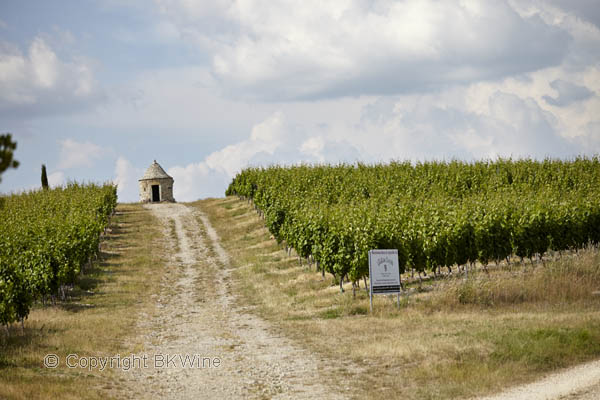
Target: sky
[{"x": 98, "y": 89}]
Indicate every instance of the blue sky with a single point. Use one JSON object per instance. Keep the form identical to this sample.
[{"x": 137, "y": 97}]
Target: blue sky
[{"x": 97, "y": 89}]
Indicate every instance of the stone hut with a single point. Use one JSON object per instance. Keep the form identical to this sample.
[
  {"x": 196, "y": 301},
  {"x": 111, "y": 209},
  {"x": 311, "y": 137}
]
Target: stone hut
[{"x": 156, "y": 185}]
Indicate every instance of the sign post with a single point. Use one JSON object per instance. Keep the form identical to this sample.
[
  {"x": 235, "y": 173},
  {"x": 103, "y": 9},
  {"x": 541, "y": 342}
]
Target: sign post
[{"x": 384, "y": 273}]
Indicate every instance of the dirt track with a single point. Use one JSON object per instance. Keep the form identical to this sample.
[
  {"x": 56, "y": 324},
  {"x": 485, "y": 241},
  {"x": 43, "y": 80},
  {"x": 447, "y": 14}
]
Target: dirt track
[
  {"x": 579, "y": 383},
  {"x": 198, "y": 317}
]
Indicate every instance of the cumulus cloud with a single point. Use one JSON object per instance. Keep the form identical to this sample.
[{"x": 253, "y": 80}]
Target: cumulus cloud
[
  {"x": 521, "y": 128},
  {"x": 355, "y": 47},
  {"x": 568, "y": 93},
  {"x": 197, "y": 180},
  {"x": 421, "y": 128},
  {"x": 210, "y": 176},
  {"x": 272, "y": 141},
  {"x": 265, "y": 138},
  {"x": 587, "y": 10},
  {"x": 584, "y": 44},
  {"x": 313, "y": 147},
  {"x": 56, "y": 178},
  {"x": 461, "y": 78},
  {"x": 126, "y": 179},
  {"x": 40, "y": 82},
  {"x": 75, "y": 154}
]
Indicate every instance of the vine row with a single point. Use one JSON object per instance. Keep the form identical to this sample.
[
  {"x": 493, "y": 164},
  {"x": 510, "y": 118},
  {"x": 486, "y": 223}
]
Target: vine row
[
  {"x": 47, "y": 237},
  {"x": 437, "y": 214}
]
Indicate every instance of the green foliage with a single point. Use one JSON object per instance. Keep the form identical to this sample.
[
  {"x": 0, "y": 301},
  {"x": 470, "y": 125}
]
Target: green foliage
[
  {"x": 44, "y": 177},
  {"x": 7, "y": 148},
  {"x": 47, "y": 236},
  {"x": 437, "y": 214}
]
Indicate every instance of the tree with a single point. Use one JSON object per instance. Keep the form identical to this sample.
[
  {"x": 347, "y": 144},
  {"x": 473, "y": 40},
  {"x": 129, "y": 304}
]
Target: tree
[
  {"x": 7, "y": 147},
  {"x": 44, "y": 177}
]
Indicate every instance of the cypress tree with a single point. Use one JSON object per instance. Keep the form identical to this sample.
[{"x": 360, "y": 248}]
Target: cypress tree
[{"x": 44, "y": 177}]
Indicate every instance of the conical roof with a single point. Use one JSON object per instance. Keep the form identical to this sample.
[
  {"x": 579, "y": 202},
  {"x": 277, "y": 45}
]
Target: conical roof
[{"x": 155, "y": 171}]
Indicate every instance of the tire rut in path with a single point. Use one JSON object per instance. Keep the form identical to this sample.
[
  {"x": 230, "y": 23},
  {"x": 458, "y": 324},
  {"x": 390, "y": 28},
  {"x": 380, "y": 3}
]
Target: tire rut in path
[{"x": 197, "y": 316}]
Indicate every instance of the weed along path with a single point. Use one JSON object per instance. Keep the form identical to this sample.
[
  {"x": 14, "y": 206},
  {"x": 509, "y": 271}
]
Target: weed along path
[{"x": 198, "y": 343}]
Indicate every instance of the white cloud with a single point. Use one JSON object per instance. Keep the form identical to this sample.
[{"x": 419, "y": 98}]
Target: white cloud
[
  {"x": 419, "y": 127},
  {"x": 211, "y": 176},
  {"x": 79, "y": 154},
  {"x": 332, "y": 49},
  {"x": 40, "y": 82},
  {"x": 44, "y": 64},
  {"x": 126, "y": 179},
  {"x": 313, "y": 147},
  {"x": 183, "y": 101},
  {"x": 568, "y": 93},
  {"x": 198, "y": 180},
  {"x": 272, "y": 141},
  {"x": 265, "y": 138},
  {"x": 520, "y": 127},
  {"x": 56, "y": 178}
]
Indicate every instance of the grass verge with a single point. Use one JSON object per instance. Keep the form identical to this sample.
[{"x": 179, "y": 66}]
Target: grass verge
[
  {"x": 95, "y": 321},
  {"x": 453, "y": 338}
]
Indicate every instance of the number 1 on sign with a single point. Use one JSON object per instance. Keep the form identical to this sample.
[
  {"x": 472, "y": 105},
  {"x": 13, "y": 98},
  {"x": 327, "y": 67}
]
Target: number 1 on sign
[{"x": 384, "y": 273}]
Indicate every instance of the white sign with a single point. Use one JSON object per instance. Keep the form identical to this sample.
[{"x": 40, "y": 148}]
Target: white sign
[{"x": 384, "y": 273}]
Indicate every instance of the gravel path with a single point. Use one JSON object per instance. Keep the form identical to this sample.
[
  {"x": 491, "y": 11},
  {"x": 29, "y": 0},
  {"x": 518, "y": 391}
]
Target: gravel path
[
  {"x": 198, "y": 319},
  {"x": 579, "y": 383}
]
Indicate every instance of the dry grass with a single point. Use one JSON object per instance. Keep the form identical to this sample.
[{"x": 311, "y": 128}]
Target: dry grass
[
  {"x": 95, "y": 321},
  {"x": 571, "y": 279},
  {"x": 453, "y": 338}
]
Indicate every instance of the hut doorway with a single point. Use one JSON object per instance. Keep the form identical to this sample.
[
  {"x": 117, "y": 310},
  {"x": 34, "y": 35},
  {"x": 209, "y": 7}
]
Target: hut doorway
[{"x": 155, "y": 193}]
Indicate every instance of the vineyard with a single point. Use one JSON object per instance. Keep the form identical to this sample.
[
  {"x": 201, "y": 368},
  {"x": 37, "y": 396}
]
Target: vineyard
[
  {"x": 47, "y": 237},
  {"x": 437, "y": 214}
]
